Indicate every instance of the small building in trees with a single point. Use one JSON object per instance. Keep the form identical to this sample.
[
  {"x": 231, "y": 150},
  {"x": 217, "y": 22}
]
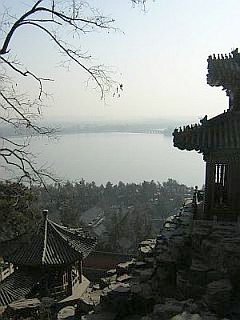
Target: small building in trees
[
  {"x": 218, "y": 139},
  {"x": 47, "y": 262}
]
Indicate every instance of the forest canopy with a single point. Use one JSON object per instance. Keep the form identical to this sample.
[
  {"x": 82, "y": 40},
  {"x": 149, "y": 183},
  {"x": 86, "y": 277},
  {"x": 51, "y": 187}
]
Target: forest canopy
[{"x": 66, "y": 202}]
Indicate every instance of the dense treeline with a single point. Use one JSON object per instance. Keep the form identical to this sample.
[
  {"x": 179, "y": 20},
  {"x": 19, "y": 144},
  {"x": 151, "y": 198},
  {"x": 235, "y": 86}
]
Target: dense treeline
[
  {"x": 69, "y": 200},
  {"x": 20, "y": 207}
]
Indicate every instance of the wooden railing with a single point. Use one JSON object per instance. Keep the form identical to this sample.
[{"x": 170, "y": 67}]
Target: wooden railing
[
  {"x": 58, "y": 291},
  {"x": 75, "y": 278},
  {"x": 5, "y": 271}
]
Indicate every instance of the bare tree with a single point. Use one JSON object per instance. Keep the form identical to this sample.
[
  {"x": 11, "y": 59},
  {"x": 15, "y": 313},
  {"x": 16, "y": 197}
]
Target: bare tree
[{"x": 22, "y": 112}]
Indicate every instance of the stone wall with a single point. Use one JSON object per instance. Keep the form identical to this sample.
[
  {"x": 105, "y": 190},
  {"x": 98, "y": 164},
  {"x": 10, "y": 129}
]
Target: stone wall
[{"x": 189, "y": 272}]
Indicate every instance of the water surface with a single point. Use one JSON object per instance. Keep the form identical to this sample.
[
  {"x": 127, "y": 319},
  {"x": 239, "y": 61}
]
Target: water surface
[{"x": 127, "y": 157}]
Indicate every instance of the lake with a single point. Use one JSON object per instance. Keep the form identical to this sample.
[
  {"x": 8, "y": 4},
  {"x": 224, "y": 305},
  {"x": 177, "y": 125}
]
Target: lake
[{"x": 127, "y": 157}]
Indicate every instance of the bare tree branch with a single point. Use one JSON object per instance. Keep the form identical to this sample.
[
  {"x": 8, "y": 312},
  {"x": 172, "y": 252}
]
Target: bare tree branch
[{"x": 20, "y": 111}]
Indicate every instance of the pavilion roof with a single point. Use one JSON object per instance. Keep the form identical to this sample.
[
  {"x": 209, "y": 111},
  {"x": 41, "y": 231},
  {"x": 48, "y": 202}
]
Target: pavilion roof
[
  {"x": 49, "y": 244},
  {"x": 217, "y": 134},
  {"x": 223, "y": 70},
  {"x": 17, "y": 286}
]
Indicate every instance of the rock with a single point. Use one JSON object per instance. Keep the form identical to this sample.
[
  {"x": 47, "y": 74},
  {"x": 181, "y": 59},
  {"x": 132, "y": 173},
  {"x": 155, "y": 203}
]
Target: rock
[
  {"x": 133, "y": 317},
  {"x": 117, "y": 299},
  {"x": 104, "y": 282},
  {"x": 148, "y": 242},
  {"x": 231, "y": 254},
  {"x": 165, "y": 256},
  {"x": 24, "y": 308},
  {"x": 96, "y": 286},
  {"x": 140, "y": 264},
  {"x": 213, "y": 275},
  {"x": 209, "y": 316},
  {"x": 191, "y": 306},
  {"x": 161, "y": 273},
  {"x": 104, "y": 294},
  {"x": 65, "y": 313},
  {"x": 199, "y": 266},
  {"x": 187, "y": 316},
  {"x": 221, "y": 248},
  {"x": 144, "y": 275},
  {"x": 136, "y": 288},
  {"x": 197, "y": 277},
  {"x": 218, "y": 295},
  {"x": 100, "y": 316},
  {"x": 149, "y": 261},
  {"x": 146, "y": 291},
  {"x": 182, "y": 280},
  {"x": 146, "y": 248},
  {"x": 124, "y": 278},
  {"x": 83, "y": 307},
  {"x": 167, "y": 310},
  {"x": 118, "y": 290},
  {"x": 111, "y": 272},
  {"x": 124, "y": 267}
]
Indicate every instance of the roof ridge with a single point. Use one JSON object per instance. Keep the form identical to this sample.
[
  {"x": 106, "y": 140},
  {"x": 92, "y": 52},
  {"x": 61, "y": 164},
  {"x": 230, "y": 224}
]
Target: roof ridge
[
  {"x": 84, "y": 235},
  {"x": 67, "y": 238},
  {"x": 53, "y": 225},
  {"x": 63, "y": 238},
  {"x": 45, "y": 240},
  {"x": 52, "y": 245}
]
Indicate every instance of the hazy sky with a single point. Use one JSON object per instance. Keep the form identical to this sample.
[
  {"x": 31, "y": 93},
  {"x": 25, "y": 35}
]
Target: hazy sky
[{"x": 160, "y": 57}]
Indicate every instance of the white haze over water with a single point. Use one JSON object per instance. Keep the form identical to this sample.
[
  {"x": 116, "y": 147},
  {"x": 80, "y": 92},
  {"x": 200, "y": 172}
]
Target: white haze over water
[{"x": 127, "y": 157}]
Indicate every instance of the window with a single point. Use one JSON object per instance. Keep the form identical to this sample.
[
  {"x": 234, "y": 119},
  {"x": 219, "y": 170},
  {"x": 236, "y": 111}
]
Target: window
[{"x": 220, "y": 189}]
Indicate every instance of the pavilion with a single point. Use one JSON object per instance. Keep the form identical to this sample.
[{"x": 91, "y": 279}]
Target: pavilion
[
  {"x": 218, "y": 139},
  {"x": 47, "y": 262}
]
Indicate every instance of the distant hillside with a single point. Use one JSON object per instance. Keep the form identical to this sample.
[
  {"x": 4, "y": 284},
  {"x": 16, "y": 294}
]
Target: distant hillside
[{"x": 166, "y": 127}]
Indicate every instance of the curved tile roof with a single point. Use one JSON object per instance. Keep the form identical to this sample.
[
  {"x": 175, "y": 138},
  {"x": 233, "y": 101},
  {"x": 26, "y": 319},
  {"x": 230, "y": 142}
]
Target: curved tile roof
[
  {"x": 17, "y": 286},
  {"x": 50, "y": 244},
  {"x": 223, "y": 70},
  {"x": 219, "y": 133}
]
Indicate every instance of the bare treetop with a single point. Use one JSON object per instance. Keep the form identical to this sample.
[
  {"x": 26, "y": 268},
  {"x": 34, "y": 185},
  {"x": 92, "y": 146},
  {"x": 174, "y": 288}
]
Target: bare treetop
[
  {"x": 52, "y": 18},
  {"x": 22, "y": 112}
]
